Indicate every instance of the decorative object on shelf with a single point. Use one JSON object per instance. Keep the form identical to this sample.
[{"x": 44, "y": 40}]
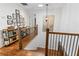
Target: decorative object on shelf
[{"x": 9, "y": 36}]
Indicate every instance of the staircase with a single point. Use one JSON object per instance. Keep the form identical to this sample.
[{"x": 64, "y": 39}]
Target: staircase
[{"x": 65, "y": 43}]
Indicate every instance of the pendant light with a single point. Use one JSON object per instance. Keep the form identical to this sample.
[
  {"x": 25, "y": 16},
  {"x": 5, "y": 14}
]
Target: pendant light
[{"x": 46, "y": 18}]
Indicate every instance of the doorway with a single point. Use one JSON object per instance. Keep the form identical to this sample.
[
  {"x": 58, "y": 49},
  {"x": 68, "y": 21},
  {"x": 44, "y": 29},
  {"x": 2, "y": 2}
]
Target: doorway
[{"x": 49, "y": 23}]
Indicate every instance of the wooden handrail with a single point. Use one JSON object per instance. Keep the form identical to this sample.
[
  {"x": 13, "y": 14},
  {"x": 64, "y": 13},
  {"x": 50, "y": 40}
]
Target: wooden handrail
[
  {"x": 76, "y": 34},
  {"x": 62, "y": 36}
]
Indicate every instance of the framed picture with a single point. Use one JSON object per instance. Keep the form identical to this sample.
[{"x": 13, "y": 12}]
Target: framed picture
[
  {"x": 9, "y": 20},
  {"x": 9, "y": 17},
  {"x": 17, "y": 11},
  {"x": 14, "y": 17}
]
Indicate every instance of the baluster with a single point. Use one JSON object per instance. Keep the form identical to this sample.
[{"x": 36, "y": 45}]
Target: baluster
[
  {"x": 76, "y": 45},
  {"x": 67, "y": 42},
  {"x": 64, "y": 42},
  {"x": 50, "y": 52},
  {"x": 53, "y": 45},
  {"x": 56, "y": 44},
  {"x": 73, "y": 46},
  {"x": 70, "y": 45},
  {"x": 62, "y": 39}
]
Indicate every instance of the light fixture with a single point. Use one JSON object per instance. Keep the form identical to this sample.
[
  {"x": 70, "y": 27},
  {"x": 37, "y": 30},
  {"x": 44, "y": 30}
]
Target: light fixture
[
  {"x": 46, "y": 12},
  {"x": 46, "y": 18},
  {"x": 40, "y": 5}
]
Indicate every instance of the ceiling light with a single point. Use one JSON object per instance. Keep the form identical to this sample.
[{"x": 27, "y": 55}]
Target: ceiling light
[{"x": 40, "y": 5}]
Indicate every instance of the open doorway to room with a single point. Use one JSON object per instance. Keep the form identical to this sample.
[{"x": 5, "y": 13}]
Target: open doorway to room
[{"x": 49, "y": 23}]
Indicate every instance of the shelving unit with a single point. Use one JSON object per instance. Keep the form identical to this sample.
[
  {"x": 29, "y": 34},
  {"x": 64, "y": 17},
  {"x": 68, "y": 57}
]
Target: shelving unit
[{"x": 9, "y": 36}]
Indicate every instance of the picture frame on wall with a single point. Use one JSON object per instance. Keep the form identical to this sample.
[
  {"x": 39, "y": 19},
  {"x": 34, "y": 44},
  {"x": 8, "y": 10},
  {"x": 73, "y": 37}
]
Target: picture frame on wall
[
  {"x": 14, "y": 17},
  {"x": 17, "y": 12},
  {"x": 9, "y": 17},
  {"x": 9, "y": 20}
]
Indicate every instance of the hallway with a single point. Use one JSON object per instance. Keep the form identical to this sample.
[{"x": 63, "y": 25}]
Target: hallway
[{"x": 23, "y": 26}]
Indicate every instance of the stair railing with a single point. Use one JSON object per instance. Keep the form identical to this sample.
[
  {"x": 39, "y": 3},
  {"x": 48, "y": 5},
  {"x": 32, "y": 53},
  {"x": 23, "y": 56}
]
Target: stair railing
[{"x": 68, "y": 45}]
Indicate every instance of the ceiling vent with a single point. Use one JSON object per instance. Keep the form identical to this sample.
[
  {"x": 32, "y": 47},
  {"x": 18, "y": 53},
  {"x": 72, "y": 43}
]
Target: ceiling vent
[{"x": 24, "y": 4}]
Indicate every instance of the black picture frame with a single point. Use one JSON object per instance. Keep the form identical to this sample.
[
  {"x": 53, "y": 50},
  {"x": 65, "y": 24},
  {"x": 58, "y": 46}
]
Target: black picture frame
[{"x": 9, "y": 20}]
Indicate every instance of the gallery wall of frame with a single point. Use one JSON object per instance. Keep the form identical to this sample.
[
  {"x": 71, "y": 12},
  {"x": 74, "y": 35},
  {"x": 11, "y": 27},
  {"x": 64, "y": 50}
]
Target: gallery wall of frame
[
  {"x": 16, "y": 29},
  {"x": 11, "y": 19},
  {"x": 15, "y": 22}
]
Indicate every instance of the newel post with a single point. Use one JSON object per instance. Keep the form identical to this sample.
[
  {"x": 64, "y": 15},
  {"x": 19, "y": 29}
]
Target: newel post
[{"x": 46, "y": 47}]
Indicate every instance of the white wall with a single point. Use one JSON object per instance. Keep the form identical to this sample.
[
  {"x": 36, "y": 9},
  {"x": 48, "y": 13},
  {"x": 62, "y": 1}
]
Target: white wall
[
  {"x": 70, "y": 19},
  {"x": 33, "y": 44},
  {"x": 8, "y": 9},
  {"x": 66, "y": 20},
  {"x": 39, "y": 40},
  {"x": 40, "y": 17}
]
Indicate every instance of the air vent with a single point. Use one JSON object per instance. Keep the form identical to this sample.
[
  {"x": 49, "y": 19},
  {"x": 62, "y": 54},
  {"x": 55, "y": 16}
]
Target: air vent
[{"x": 24, "y": 4}]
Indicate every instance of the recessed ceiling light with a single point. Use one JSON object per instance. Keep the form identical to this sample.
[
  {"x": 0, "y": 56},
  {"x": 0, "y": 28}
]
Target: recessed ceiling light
[{"x": 40, "y": 5}]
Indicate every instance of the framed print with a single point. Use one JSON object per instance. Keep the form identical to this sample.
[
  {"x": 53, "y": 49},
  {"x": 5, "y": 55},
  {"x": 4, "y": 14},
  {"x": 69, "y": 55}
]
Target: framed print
[
  {"x": 9, "y": 20},
  {"x": 9, "y": 17},
  {"x": 17, "y": 11},
  {"x": 14, "y": 17}
]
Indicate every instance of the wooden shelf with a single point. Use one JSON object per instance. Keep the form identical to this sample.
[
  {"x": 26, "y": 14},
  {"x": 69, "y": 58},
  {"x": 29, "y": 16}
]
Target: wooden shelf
[
  {"x": 12, "y": 42},
  {"x": 12, "y": 36},
  {"x": 8, "y": 29}
]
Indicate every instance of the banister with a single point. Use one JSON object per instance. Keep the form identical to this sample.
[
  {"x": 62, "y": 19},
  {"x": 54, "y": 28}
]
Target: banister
[
  {"x": 64, "y": 33},
  {"x": 67, "y": 38}
]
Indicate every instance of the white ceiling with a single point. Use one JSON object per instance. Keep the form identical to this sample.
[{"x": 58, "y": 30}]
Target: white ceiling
[{"x": 34, "y": 6}]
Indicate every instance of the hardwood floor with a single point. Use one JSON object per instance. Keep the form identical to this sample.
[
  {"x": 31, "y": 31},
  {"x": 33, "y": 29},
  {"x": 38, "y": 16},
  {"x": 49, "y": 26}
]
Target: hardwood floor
[
  {"x": 13, "y": 50},
  {"x": 20, "y": 53},
  {"x": 50, "y": 52}
]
